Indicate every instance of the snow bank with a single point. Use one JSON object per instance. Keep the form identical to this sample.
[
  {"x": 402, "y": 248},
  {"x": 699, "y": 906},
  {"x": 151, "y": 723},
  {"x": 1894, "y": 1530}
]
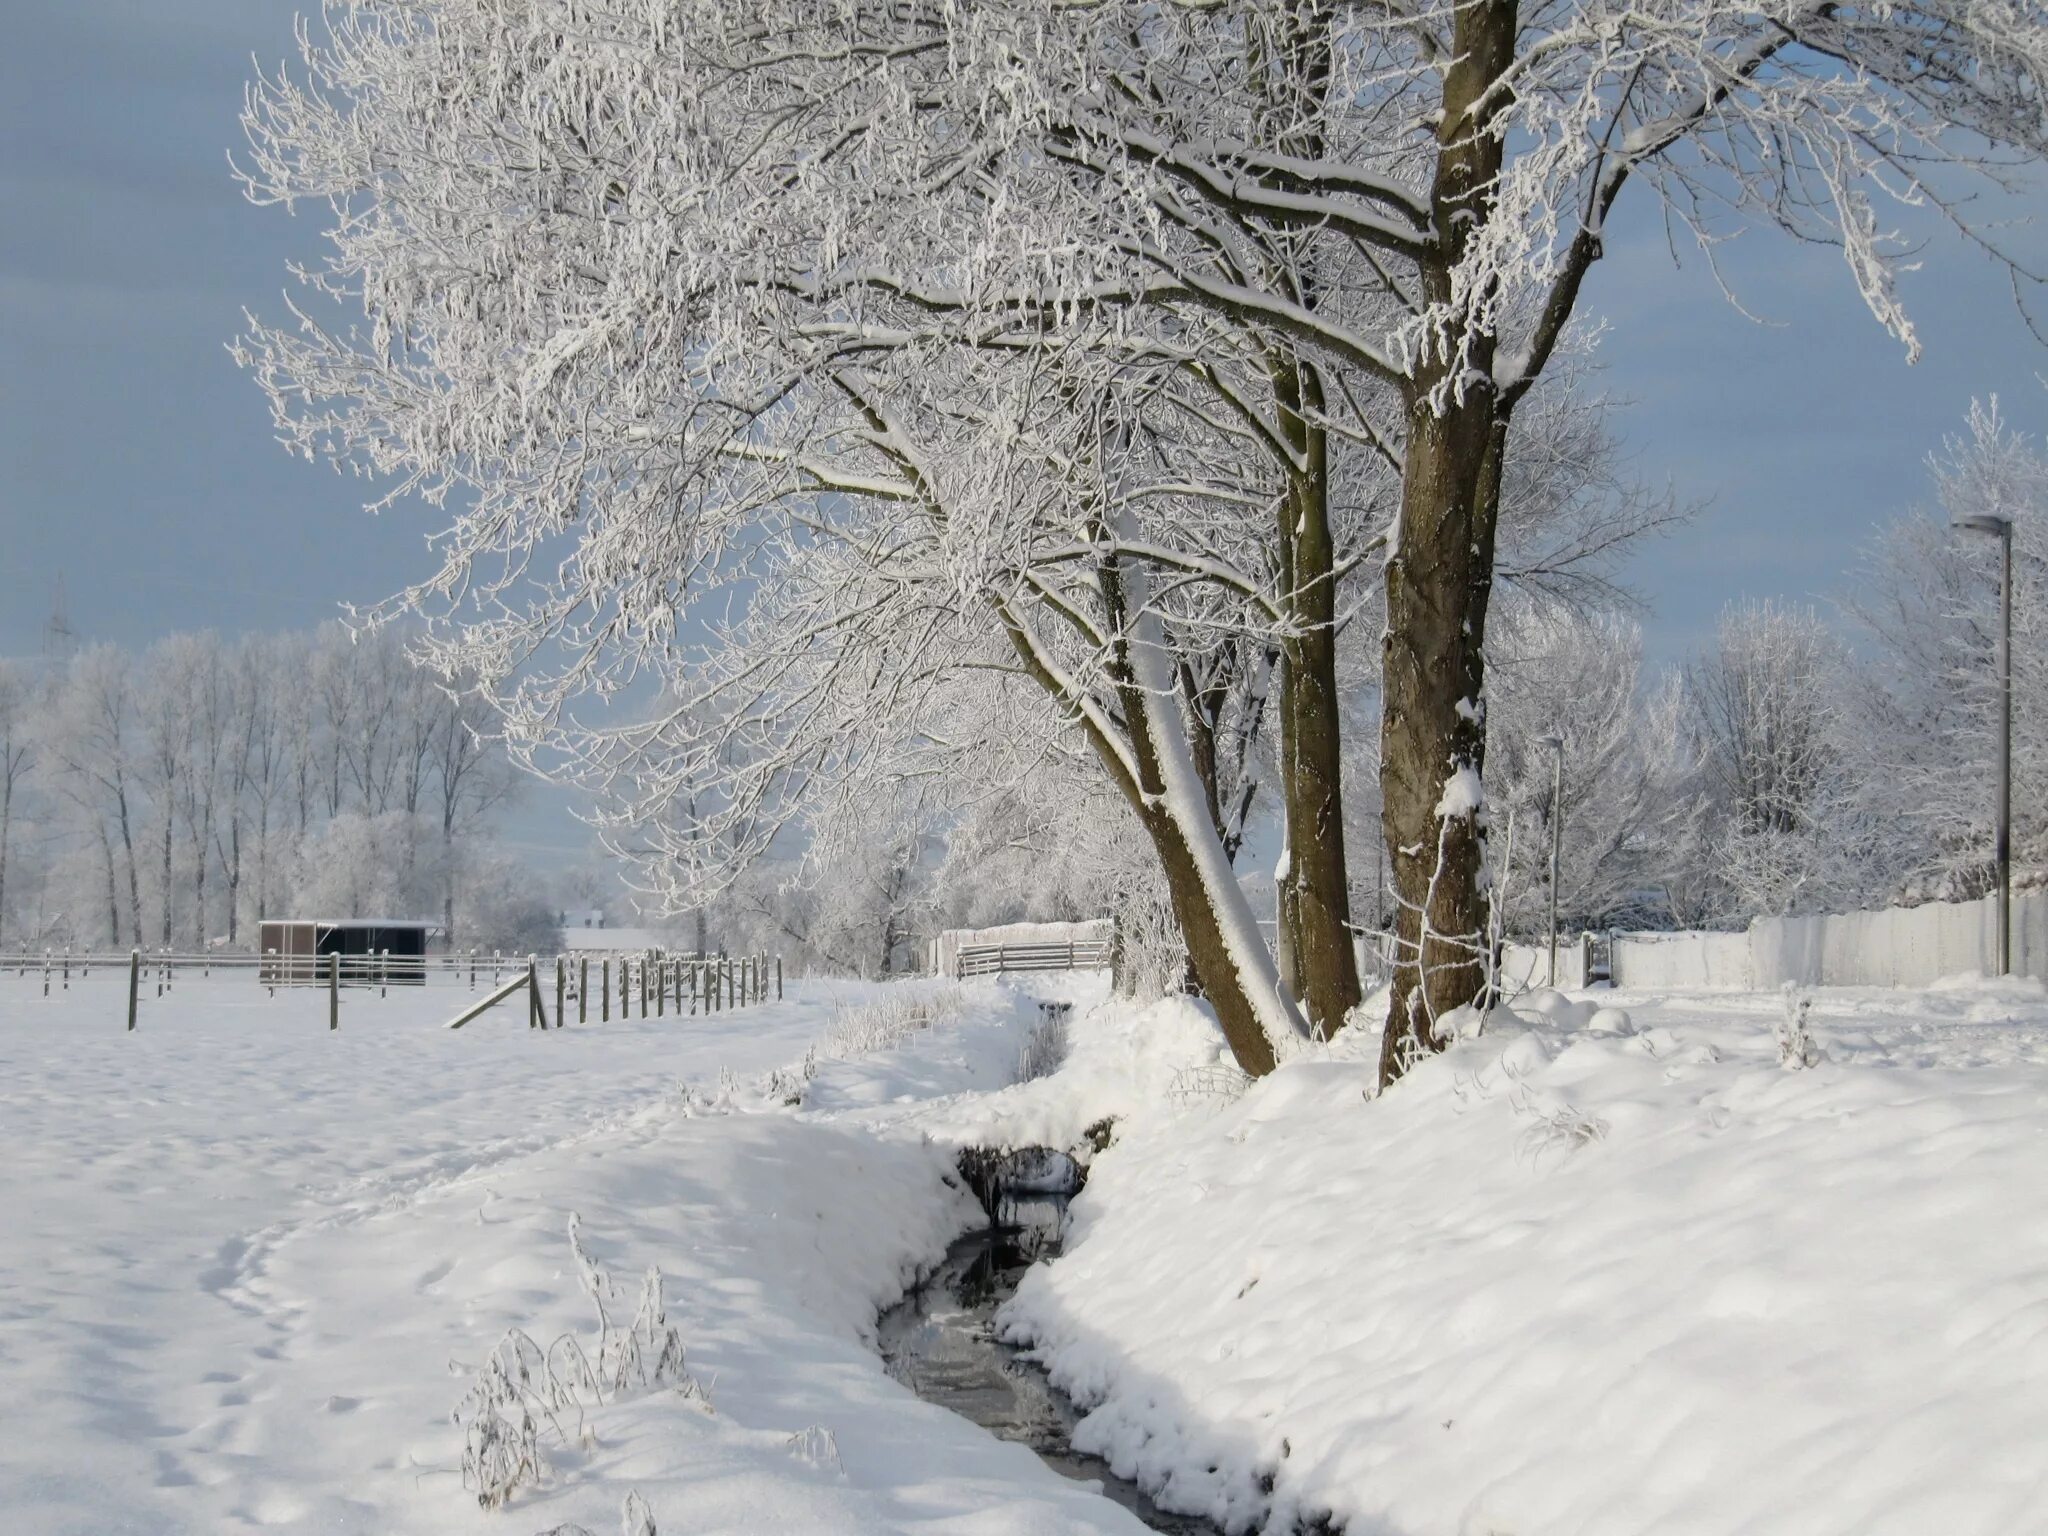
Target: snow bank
[
  {"x": 1562, "y": 1281},
  {"x": 1128, "y": 1062}
]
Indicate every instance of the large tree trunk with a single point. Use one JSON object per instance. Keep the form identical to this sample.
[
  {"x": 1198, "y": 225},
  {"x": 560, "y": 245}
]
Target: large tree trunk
[
  {"x": 1315, "y": 895},
  {"x": 1152, "y": 763},
  {"x": 1433, "y": 729},
  {"x": 166, "y": 879},
  {"x": 1439, "y": 581},
  {"x": 113, "y": 891},
  {"x": 1225, "y": 948},
  {"x": 1210, "y": 953},
  {"x": 134, "y": 877}
]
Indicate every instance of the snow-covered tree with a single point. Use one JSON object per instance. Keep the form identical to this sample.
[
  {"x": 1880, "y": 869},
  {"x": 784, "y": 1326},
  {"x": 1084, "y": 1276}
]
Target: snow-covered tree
[
  {"x": 1926, "y": 716},
  {"x": 1556, "y": 672},
  {"x": 1765, "y": 704},
  {"x": 757, "y": 328},
  {"x": 176, "y": 791},
  {"x": 18, "y": 745}
]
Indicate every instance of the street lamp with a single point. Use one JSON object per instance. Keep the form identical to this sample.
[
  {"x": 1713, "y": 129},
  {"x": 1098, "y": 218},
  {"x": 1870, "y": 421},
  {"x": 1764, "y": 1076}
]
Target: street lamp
[
  {"x": 1556, "y": 744},
  {"x": 2000, "y": 526}
]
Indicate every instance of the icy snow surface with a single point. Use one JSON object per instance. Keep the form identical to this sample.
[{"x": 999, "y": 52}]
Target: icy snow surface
[{"x": 1570, "y": 1279}]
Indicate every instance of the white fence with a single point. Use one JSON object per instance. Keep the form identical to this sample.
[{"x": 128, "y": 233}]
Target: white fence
[
  {"x": 1525, "y": 966},
  {"x": 1090, "y": 942},
  {"x": 1895, "y": 947}
]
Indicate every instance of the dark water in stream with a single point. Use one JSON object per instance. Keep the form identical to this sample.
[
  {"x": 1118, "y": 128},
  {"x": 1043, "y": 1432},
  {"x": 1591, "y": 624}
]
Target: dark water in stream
[{"x": 940, "y": 1341}]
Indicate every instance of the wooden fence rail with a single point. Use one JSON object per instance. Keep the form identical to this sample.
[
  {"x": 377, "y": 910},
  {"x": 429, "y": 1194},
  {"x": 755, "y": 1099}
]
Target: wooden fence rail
[{"x": 994, "y": 959}]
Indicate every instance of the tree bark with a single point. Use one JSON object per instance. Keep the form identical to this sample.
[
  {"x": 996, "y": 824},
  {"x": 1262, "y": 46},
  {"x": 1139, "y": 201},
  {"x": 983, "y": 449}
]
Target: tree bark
[
  {"x": 1315, "y": 904},
  {"x": 1433, "y": 725},
  {"x": 1439, "y": 582}
]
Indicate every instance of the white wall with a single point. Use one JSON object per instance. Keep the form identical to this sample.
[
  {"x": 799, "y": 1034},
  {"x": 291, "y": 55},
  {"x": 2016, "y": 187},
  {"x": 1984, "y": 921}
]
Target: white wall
[
  {"x": 1524, "y": 966},
  {"x": 1682, "y": 960},
  {"x": 1895, "y": 947}
]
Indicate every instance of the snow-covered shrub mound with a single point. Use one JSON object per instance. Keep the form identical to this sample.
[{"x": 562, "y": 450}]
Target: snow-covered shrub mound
[
  {"x": 1560, "y": 1281},
  {"x": 895, "y": 1015}
]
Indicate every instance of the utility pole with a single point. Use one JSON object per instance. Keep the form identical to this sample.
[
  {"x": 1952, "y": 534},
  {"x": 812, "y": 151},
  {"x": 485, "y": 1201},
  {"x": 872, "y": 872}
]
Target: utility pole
[
  {"x": 2000, "y": 526},
  {"x": 1556, "y": 744}
]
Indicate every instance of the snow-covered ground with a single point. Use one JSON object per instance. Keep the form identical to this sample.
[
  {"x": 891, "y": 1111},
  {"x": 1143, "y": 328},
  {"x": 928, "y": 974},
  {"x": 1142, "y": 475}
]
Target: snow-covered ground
[
  {"x": 1559, "y": 1282},
  {"x": 249, "y": 1268},
  {"x": 1555, "y": 1282}
]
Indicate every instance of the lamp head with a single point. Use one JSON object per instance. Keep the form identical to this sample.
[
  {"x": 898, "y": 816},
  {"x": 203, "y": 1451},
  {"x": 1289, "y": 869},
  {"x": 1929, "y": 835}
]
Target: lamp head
[
  {"x": 1983, "y": 522},
  {"x": 1553, "y": 741}
]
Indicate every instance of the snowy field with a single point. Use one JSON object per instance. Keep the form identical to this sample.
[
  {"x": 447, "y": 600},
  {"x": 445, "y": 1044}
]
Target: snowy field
[
  {"x": 251, "y": 1265},
  {"x": 1557, "y": 1282}
]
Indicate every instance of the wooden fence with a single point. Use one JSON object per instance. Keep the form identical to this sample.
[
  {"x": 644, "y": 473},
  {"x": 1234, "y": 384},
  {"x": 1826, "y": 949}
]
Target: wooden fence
[
  {"x": 590, "y": 985},
  {"x": 1070, "y": 955}
]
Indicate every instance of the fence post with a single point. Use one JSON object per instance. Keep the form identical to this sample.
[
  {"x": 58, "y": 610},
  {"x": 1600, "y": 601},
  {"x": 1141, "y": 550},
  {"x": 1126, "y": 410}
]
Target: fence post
[
  {"x": 383, "y": 972},
  {"x": 605, "y": 981},
  {"x": 536, "y": 1018},
  {"x": 583, "y": 991},
  {"x": 778, "y": 978},
  {"x": 46, "y": 974},
  {"x": 561, "y": 991},
  {"x": 134, "y": 984},
  {"x": 472, "y": 970},
  {"x": 67, "y": 967},
  {"x": 643, "y": 986},
  {"x": 334, "y": 990}
]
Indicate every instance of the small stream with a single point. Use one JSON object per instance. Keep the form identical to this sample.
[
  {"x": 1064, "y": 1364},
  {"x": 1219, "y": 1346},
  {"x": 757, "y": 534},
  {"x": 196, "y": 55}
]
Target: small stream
[{"x": 940, "y": 1339}]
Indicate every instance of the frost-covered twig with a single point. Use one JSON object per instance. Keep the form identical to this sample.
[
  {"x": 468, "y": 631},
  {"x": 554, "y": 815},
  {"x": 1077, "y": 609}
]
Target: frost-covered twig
[{"x": 523, "y": 1389}]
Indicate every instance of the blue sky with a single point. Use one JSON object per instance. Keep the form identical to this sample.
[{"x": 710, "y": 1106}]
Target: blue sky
[{"x": 136, "y": 460}]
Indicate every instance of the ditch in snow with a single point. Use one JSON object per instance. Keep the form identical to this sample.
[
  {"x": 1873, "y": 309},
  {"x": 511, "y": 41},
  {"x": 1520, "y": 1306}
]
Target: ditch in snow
[{"x": 940, "y": 1339}]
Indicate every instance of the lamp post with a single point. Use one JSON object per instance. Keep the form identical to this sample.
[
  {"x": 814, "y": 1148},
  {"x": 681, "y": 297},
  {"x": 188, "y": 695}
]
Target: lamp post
[
  {"x": 1556, "y": 744},
  {"x": 2000, "y": 526}
]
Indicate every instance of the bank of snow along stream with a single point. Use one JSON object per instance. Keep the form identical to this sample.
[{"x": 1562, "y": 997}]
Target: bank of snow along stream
[
  {"x": 941, "y": 1339},
  {"x": 1586, "y": 1274}
]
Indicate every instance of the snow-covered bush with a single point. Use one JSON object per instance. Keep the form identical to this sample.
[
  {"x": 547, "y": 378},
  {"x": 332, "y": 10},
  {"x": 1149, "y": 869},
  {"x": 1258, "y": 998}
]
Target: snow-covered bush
[
  {"x": 524, "y": 1390},
  {"x": 816, "y": 1446},
  {"x": 1796, "y": 1046},
  {"x": 906, "y": 1009},
  {"x": 635, "y": 1519}
]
